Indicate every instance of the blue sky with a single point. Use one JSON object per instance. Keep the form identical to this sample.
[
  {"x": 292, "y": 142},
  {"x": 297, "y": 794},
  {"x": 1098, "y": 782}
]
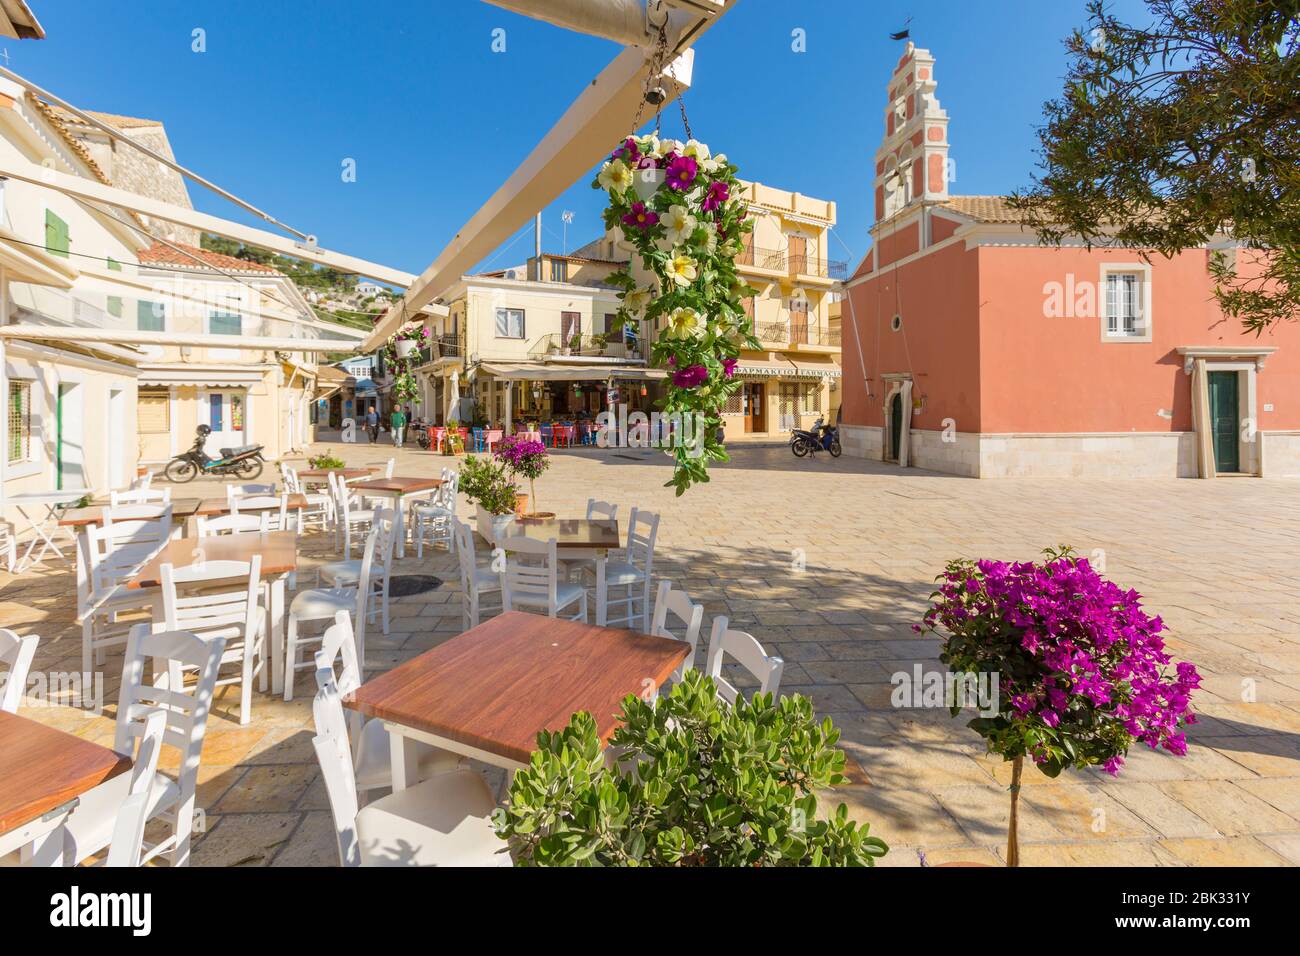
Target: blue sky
[{"x": 435, "y": 120}]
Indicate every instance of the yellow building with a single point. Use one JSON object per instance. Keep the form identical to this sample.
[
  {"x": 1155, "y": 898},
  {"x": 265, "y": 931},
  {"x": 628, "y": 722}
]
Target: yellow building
[{"x": 795, "y": 377}]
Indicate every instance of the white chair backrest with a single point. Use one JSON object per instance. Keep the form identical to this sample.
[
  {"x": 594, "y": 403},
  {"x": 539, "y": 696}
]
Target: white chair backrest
[
  {"x": 141, "y": 496},
  {"x": 687, "y": 614},
  {"x": 384, "y": 466},
  {"x": 186, "y": 707},
  {"x": 291, "y": 482},
  {"x": 137, "y": 511},
  {"x": 468, "y": 560},
  {"x": 601, "y": 509},
  {"x": 216, "y": 607},
  {"x": 339, "y": 646},
  {"x": 275, "y": 508},
  {"x": 243, "y": 491},
  {"x": 142, "y": 482},
  {"x": 345, "y": 499},
  {"x": 116, "y": 548},
  {"x": 642, "y": 529},
  {"x": 128, "y": 829},
  {"x": 746, "y": 651},
  {"x": 16, "y": 655},
  {"x": 378, "y": 554},
  {"x": 335, "y": 755},
  {"x": 531, "y": 573},
  {"x": 233, "y": 523},
  {"x": 446, "y": 494}
]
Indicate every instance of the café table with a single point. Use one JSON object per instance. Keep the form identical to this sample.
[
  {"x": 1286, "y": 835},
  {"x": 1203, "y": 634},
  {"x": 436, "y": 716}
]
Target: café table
[
  {"x": 487, "y": 692},
  {"x": 79, "y": 518},
  {"x": 212, "y": 507},
  {"x": 320, "y": 476},
  {"x": 400, "y": 490},
  {"x": 49, "y": 501},
  {"x": 279, "y": 552},
  {"x": 576, "y": 539},
  {"x": 43, "y": 773}
]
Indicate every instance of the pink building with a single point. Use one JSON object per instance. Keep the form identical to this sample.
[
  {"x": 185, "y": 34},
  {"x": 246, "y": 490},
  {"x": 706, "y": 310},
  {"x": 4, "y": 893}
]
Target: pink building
[{"x": 971, "y": 348}]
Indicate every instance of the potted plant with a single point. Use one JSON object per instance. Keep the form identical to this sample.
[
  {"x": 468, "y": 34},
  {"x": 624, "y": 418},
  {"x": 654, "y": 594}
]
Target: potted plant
[
  {"x": 697, "y": 783},
  {"x": 681, "y": 212},
  {"x": 1079, "y": 669},
  {"x": 324, "y": 462},
  {"x": 527, "y": 458},
  {"x": 409, "y": 340},
  {"x": 489, "y": 487}
]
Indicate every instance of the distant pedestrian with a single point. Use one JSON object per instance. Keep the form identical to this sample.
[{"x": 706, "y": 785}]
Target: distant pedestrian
[
  {"x": 398, "y": 421},
  {"x": 372, "y": 424}
]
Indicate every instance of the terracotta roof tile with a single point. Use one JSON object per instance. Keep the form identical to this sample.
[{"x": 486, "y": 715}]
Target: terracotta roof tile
[
  {"x": 983, "y": 208},
  {"x": 112, "y": 119},
  {"x": 182, "y": 255}
]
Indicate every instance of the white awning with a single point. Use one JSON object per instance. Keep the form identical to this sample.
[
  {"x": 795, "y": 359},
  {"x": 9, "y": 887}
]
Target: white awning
[
  {"x": 209, "y": 378},
  {"x": 539, "y": 372}
]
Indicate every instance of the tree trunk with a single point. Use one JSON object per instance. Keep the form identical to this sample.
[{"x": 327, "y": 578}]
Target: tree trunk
[
  {"x": 1013, "y": 842},
  {"x": 532, "y": 493}
]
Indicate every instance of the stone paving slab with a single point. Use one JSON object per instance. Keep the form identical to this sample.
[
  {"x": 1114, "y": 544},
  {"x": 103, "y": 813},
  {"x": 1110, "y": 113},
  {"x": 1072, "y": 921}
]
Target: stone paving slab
[{"x": 828, "y": 563}]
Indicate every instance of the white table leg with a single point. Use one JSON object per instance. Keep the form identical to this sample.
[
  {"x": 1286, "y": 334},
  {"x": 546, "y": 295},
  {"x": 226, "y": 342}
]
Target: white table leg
[
  {"x": 404, "y": 760},
  {"x": 401, "y": 525},
  {"x": 277, "y": 634},
  {"x": 601, "y": 608}
]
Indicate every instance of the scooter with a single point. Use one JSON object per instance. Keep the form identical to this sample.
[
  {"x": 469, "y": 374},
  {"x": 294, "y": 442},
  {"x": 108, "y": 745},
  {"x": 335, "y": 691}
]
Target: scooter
[
  {"x": 244, "y": 462},
  {"x": 821, "y": 437},
  {"x": 420, "y": 428}
]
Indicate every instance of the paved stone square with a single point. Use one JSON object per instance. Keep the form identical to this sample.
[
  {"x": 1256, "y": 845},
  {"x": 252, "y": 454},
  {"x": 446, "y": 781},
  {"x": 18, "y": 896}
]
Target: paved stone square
[{"x": 828, "y": 563}]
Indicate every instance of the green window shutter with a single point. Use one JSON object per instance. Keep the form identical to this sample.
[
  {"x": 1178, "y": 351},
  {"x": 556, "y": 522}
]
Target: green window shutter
[
  {"x": 150, "y": 317},
  {"x": 115, "y": 306},
  {"x": 57, "y": 240},
  {"x": 224, "y": 323},
  {"x": 114, "y": 265}
]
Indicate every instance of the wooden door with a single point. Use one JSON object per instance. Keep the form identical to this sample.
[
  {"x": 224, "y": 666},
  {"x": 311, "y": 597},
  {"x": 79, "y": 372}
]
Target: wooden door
[
  {"x": 895, "y": 425},
  {"x": 798, "y": 321},
  {"x": 570, "y": 326},
  {"x": 1225, "y": 420},
  {"x": 755, "y": 407},
  {"x": 798, "y": 254}
]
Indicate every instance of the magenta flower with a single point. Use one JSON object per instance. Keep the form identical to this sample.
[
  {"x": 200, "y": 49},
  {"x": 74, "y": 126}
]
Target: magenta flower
[
  {"x": 641, "y": 217},
  {"x": 681, "y": 173},
  {"x": 729, "y": 369},
  {"x": 718, "y": 193},
  {"x": 691, "y": 377},
  {"x": 629, "y": 152}
]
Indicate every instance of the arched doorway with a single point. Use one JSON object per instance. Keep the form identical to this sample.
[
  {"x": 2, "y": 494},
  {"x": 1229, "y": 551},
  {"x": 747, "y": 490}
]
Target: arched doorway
[{"x": 895, "y": 424}]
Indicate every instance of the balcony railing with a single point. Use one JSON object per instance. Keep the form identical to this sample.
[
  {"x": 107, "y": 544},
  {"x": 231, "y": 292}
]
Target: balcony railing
[
  {"x": 796, "y": 333},
  {"x": 825, "y": 268},
  {"x": 762, "y": 258},
  {"x": 598, "y": 345}
]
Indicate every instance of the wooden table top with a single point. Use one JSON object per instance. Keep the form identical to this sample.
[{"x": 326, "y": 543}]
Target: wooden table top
[
  {"x": 353, "y": 471},
  {"x": 42, "y": 768},
  {"x": 397, "y": 486},
  {"x": 279, "y": 551},
  {"x": 495, "y": 686},
  {"x": 210, "y": 507},
  {"x": 182, "y": 508},
  {"x": 569, "y": 532}
]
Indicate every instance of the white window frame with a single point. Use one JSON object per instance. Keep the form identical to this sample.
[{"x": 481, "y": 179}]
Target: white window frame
[
  {"x": 507, "y": 313},
  {"x": 1144, "y": 317}
]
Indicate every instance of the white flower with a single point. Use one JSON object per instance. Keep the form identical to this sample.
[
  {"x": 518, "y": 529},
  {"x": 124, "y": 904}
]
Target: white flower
[
  {"x": 696, "y": 149},
  {"x": 678, "y": 224},
  {"x": 636, "y": 300},
  {"x": 615, "y": 176},
  {"x": 670, "y": 146},
  {"x": 649, "y": 145},
  {"x": 682, "y": 268},
  {"x": 710, "y": 238}
]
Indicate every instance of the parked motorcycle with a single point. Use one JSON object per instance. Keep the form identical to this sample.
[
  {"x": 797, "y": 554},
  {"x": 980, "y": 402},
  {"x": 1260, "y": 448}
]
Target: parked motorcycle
[
  {"x": 245, "y": 462},
  {"x": 821, "y": 437},
  {"x": 420, "y": 428}
]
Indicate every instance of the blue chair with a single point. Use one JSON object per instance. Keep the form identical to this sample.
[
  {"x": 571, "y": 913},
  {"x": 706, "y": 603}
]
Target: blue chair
[
  {"x": 548, "y": 435},
  {"x": 479, "y": 441}
]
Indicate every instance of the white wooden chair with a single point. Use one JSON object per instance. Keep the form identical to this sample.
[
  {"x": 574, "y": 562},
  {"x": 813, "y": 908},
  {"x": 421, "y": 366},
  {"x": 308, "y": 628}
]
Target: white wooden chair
[
  {"x": 433, "y": 519},
  {"x": 350, "y": 512},
  {"x": 745, "y": 650},
  {"x": 371, "y": 757},
  {"x": 320, "y": 506},
  {"x": 475, "y": 582},
  {"x": 141, "y": 481},
  {"x": 386, "y": 467},
  {"x": 186, "y": 704},
  {"x": 16, "y": 655},
  {"x": 633, "y": 572},
  {"x": 140, "y": 496},
  {"x": 248, "y": 490},
  {"x": 126, "y": 846},
  {"x": 346, "y": 574},
  {"x": 686, "y": 614},
  {"x": 274, "y": 509},
  {"x": 322, "y": 604},
  {"x": 233, "y": 614},
  {"x": 443, "y": 821},
  {"x": 531, "y": 578},
  {"x": 596, "y": 510},
  {"x": 233, "y": 523},
  {"x": 109, "y": 554}
]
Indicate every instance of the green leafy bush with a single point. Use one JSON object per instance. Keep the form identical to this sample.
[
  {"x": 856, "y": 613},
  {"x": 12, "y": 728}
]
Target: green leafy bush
[
  {"x": 698, "y": 783},
  {"x": 488, "y": 483},
  {"x": 325, "y": 461}
]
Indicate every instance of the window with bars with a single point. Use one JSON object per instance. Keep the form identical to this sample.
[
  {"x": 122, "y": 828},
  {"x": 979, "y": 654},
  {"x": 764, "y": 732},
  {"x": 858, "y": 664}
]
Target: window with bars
[
  {"x": 810, "y": 398},
  {"x": 20, "y": 421},
  {"x": 734, "y": 405},
  {"x": 1124, "y": 303}
]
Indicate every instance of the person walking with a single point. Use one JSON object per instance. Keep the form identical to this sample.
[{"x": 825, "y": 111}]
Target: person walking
[
  {"x": 372, "y": 424},
  {"x": 398, "y": 421}
]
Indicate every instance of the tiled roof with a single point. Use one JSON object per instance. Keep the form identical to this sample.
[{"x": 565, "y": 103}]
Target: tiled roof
[
  {"x": 184, "y": 256},
  {"x": 983, "y": 208},
  {"x": 112, "y": 119},
  {"x": 56, "y": 120}
]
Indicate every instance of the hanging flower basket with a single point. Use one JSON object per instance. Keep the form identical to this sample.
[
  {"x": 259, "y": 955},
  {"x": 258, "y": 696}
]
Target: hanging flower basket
[
  {"x": 407, "y": 347},
  {"x": 677, "y": 208}
]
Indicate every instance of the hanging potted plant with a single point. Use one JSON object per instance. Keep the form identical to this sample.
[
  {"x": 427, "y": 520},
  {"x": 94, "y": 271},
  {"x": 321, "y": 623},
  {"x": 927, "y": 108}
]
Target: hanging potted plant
[
  {"x": 526, "y": 458},
  {"x": 409, "y": 340},
  {"x": 1079, "y": 672},
  {"x": 677, "y": 206}
]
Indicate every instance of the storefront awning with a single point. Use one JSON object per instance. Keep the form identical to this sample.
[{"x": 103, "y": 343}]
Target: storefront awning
[
  {"x": 209, "y": 378},
  {"x": 539, "y": 372}
]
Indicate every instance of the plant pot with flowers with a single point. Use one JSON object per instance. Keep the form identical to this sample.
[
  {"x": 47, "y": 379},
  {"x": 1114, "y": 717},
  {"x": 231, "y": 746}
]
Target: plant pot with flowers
[
  {"x": 1079, "y": 671},
  {"x": 525, "y": 458},
  {"x": 679, "y": 210},
  {"x": 489, "y": 487},
  {"x": 409, "y": 340}
]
